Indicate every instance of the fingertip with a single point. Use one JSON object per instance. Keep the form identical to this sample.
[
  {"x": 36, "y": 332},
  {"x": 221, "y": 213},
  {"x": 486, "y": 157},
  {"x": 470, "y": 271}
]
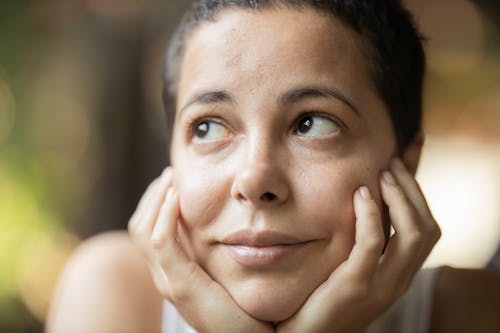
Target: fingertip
[
  {"x": 362, "y": 196},
  {"x": 388, "y": 178},
  {"x": 364, "y": 191}
]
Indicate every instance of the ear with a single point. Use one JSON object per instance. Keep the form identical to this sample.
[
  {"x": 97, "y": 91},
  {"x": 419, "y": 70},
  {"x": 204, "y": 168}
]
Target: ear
[{"x": 411, "y": 154}]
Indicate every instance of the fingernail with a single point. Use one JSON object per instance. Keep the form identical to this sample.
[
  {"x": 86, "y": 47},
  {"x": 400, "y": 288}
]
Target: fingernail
[
  {"x": 389, "y": 178},
  {"x": 365, "y": 192}
]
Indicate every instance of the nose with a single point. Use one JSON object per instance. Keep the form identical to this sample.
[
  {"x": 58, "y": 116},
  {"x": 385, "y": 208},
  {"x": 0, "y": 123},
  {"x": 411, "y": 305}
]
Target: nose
[{"x": 260, "y": 180}]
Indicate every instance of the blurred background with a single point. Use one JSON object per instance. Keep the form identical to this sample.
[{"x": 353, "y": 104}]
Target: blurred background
[{"x": 82, "y": 131}]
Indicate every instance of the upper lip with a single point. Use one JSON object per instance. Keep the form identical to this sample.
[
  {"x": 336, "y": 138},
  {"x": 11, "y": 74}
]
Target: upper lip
[{"x": 260, "y": 238}]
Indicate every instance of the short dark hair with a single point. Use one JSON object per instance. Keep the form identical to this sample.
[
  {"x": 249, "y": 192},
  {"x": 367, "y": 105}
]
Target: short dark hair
[{"x": 393, "y": 48}]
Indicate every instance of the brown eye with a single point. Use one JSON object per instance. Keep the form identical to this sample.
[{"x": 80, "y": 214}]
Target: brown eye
[
  {"x": 209, "y": 131},
  {"x": 313, "y": 125},
  {"x": 305, "y": 124},
  {"x": 202, "y": 130}
]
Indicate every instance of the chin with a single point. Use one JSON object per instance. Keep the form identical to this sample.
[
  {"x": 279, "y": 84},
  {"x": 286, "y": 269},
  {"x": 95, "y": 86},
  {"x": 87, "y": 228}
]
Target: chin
[{"x": 270, "y": 303}]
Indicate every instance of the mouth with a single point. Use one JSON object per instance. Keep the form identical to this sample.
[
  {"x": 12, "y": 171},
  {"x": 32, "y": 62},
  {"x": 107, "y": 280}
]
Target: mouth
[{"x": 258, "y": 249}]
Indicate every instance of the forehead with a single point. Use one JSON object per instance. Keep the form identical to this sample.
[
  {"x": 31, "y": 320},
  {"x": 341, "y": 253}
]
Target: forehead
[{"x": 271, "y": 48}]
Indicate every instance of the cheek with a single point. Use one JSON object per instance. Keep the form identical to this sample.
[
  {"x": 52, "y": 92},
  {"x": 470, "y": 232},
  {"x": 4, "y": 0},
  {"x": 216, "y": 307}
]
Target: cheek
[
  {"x": 201, "y": 195},
  {"x": 328, "y": 192},
  {"x": 369, "y": 174}
]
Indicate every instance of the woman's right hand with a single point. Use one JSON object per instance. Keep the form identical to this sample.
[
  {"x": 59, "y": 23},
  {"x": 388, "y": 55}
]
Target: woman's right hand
[{"x": 203, "y": 302}]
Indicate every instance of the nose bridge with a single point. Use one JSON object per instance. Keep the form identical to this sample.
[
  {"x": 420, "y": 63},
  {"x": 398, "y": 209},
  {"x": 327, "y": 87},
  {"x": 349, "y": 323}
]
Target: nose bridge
[{"x": 260, "y": 149}]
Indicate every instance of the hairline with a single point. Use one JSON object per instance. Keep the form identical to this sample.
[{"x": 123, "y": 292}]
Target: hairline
[{"x": 400, "y": 94}]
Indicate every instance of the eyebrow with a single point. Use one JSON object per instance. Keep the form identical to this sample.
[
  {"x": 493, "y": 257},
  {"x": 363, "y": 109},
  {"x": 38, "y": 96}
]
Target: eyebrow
[
  {"x": 289, "y": 97},
  {"x": 298, "y": 94},
  {"x": 210, "y": 97}
]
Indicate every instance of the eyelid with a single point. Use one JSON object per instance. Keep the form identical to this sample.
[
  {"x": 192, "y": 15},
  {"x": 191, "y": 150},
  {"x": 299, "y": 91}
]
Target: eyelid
[
  {"x": 195, "y": 121},
  {"x": 342, "y": 125}
]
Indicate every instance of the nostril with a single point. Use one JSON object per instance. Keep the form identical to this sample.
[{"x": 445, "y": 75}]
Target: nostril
[
  {"x": 240, "y": 197},
  {"x": 268, "y": 197}
]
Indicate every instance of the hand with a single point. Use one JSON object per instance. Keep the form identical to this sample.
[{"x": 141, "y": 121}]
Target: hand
[
  {"x": 366, "y": 284},
  {"x": 204, "y": 303}
]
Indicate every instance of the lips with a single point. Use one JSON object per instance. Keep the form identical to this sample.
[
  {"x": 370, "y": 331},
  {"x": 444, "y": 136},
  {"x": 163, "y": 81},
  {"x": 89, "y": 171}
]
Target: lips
[{"x": 257, "y": 249}]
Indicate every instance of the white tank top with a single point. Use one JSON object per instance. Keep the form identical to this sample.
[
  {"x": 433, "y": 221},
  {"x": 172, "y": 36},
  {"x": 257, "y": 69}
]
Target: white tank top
[{"x": 410, "y": 314}]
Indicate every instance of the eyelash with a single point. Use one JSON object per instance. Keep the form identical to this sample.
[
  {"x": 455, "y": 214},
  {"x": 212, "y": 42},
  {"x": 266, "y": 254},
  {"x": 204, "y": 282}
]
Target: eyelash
[
  {"x": 343, "y": 127},
  {"x": 192, "y": 124}
]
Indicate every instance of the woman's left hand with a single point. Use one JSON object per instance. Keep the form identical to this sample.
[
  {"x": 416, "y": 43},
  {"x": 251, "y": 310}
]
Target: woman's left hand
[{"x": 367, "y": 283}]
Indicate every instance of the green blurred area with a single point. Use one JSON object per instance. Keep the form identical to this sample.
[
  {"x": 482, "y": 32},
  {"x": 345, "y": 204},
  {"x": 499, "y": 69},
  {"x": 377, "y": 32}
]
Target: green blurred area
[
  {"x": 82, "y": 128},
  {"x": 49, "y": 163},
  {"x": 26, "y": 210}
]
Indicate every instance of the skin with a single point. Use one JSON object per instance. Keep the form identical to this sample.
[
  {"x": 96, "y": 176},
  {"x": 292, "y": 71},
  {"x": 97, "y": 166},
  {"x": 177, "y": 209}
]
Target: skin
[{"x": 253, "y": 148}]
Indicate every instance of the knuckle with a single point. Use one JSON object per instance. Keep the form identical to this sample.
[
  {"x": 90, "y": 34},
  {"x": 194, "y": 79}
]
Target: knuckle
[
  {"x": 156, "y": 244},
  {"x": 178, "y": 292},
  {"x": 374, "y": 242},
  {"x": 399, "y": 194},
  {"x": 372, "y": 212},
  {"x": 153, "y": 184},
  {"x": 432, "y": 232},
  {"x": 164, "y": 291},
  {"x": 414, "y": 238},
  {"x": 134, "y": 232},
  {"x": 139, "y": 230},
  {"x": 160, "y": 280},
  {"x": 436, "y": 231}
]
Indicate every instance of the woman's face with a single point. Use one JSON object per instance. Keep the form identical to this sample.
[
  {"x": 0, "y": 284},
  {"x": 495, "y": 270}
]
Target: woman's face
[{"x": 277, "y": 124}]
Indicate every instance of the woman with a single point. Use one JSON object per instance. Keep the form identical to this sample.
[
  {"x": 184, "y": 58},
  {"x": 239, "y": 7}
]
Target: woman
[{"x": 296, "y": 136}]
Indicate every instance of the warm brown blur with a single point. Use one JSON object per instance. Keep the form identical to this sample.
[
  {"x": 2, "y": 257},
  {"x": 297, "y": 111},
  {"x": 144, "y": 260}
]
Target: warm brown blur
[{"x": 82, "y": 131}]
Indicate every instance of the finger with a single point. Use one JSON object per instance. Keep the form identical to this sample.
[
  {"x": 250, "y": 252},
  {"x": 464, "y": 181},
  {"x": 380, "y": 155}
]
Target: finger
[
  {"x": 369, "y": 239},
  {"x": 170, "y": 255},
  {"x": 411, "y": 188},
  {"x": 152, "y": 206},
  {"x": 173, "y": 258},
  {"x": 166, "y": 223},
  {"x": 159, "y": 278},
  {"x": 416, "y": 196},
  {"x": 399, "y": 258}
]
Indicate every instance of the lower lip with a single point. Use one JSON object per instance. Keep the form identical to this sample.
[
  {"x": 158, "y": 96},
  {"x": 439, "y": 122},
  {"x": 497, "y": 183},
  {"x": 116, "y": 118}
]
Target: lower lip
[{"x": 255, "y": 257}]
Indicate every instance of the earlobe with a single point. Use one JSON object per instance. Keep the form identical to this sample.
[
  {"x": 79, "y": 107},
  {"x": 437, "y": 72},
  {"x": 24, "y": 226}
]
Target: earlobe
[{"x": 411, "y": 154}]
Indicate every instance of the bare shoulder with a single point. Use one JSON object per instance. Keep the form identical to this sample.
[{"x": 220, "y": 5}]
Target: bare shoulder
[
  {"x": 105, "y": 287},
  {"x": 466, "y": 300}
]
